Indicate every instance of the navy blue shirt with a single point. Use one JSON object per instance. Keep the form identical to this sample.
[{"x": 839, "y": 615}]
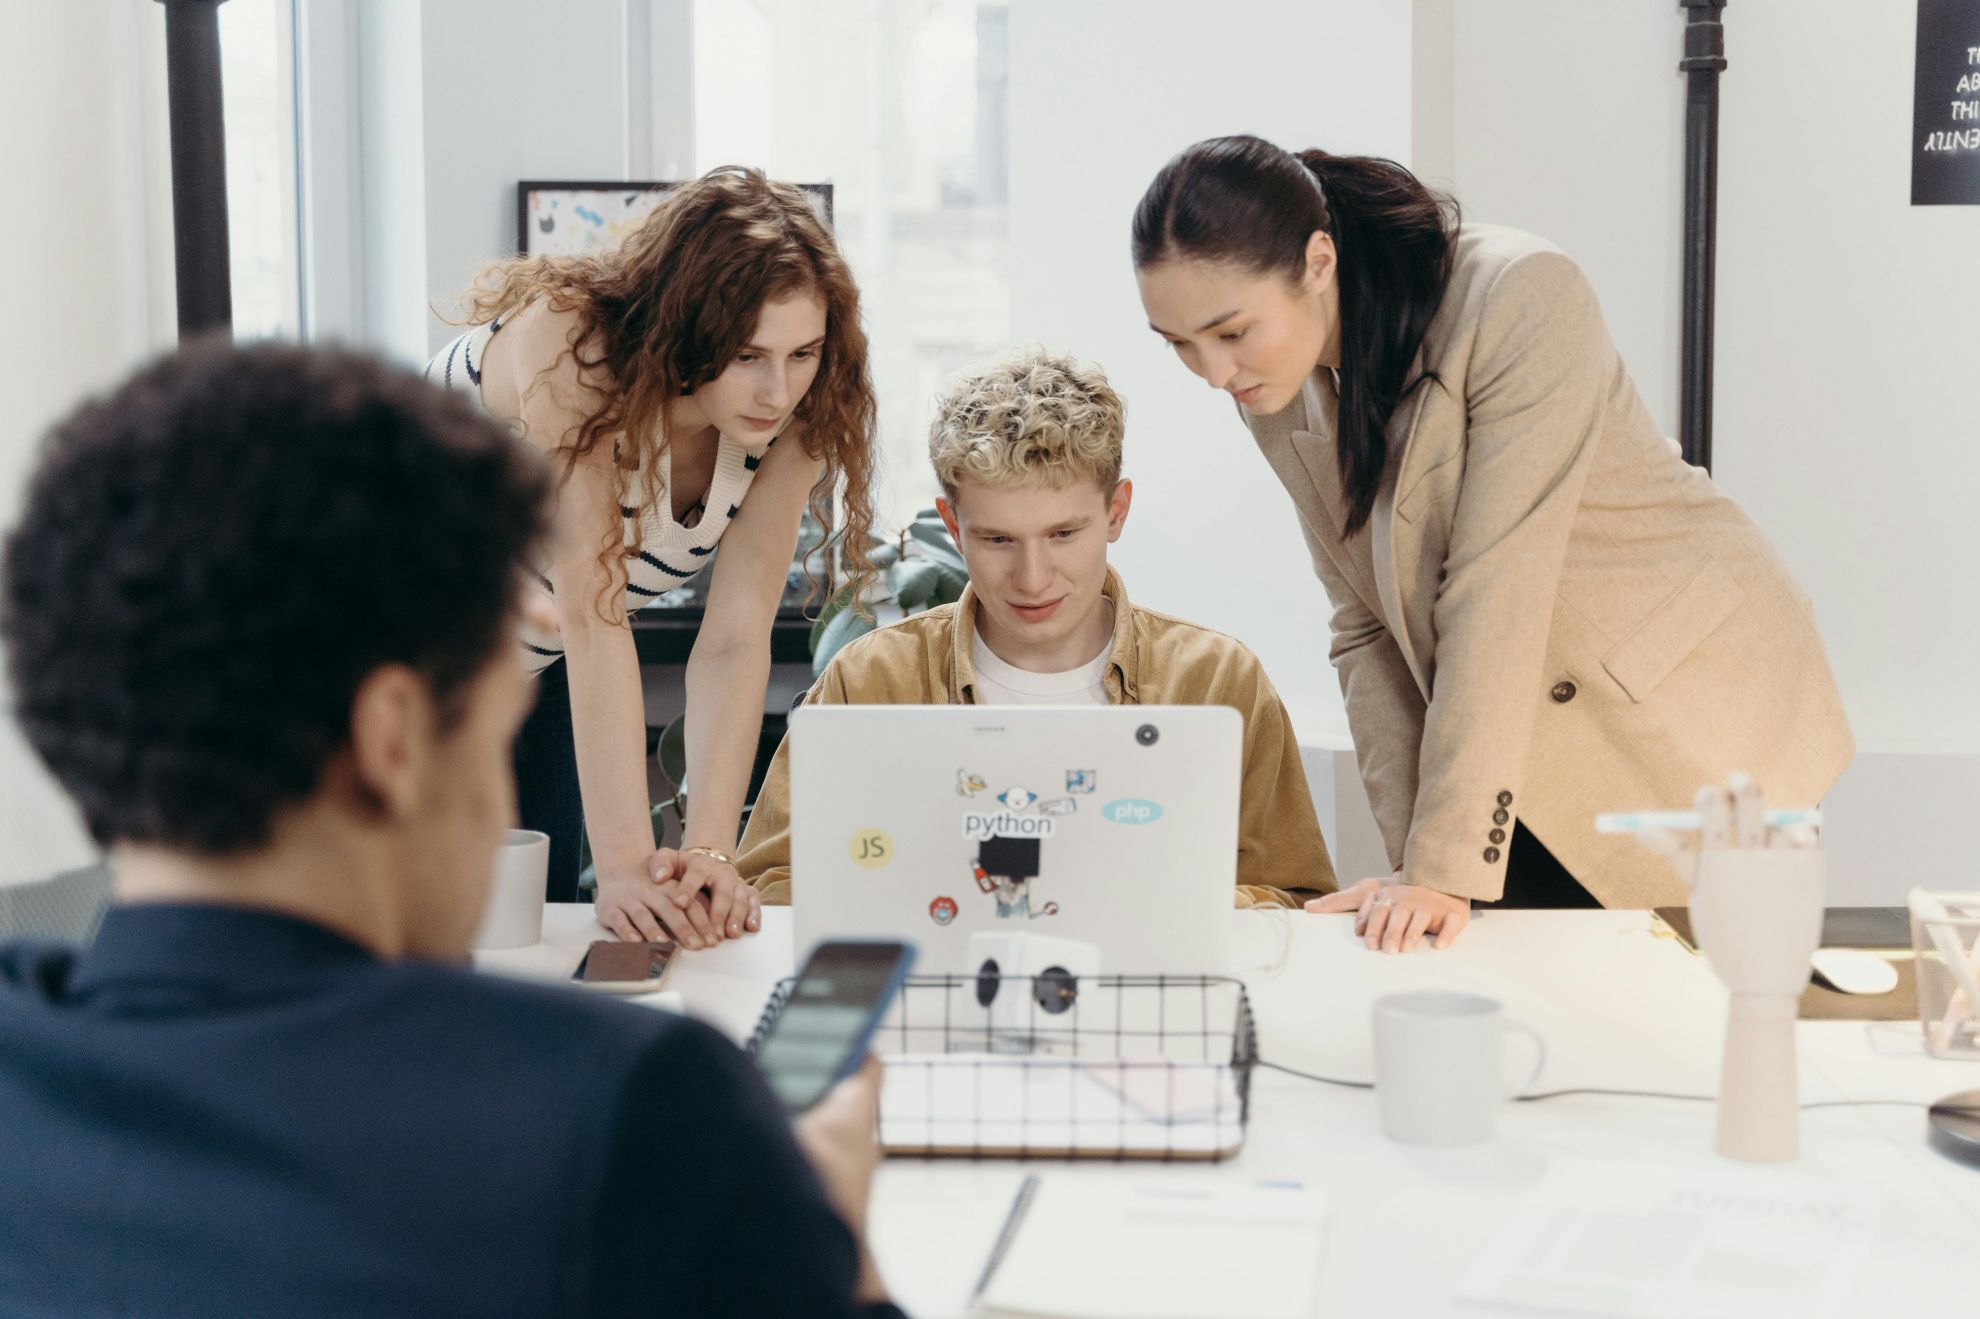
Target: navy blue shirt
[{"x": 217, "y": 1111}]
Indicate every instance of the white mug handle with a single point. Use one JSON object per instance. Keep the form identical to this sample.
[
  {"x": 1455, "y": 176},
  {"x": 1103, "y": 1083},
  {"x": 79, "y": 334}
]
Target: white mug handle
[{"x": 1539, "y": 1056}]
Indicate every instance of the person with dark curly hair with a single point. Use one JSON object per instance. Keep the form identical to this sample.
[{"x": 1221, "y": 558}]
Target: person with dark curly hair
[
  {"x": 268, "y": 1087},
  {"x": 698, "y": 386}
]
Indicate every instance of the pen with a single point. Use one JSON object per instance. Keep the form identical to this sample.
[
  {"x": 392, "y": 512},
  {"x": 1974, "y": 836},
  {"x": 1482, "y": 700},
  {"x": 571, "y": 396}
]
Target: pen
[{"x": 1628, "y": 822}]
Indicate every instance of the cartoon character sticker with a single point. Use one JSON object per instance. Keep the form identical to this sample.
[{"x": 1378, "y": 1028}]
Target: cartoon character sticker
[
  {"x": 1082, "y": 780},
  {"x": 1004, "y": 868},
  {"x": 942, "y": 910},
  {"x": 1017, "y": 799},
  {"x": 1059, "y": 806},
  {"x": 968, "y": 784}
]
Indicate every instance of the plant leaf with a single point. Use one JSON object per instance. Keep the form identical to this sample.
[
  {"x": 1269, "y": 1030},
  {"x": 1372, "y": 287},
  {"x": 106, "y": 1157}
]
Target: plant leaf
[
  {"x": 846, "y": 626},
  {"x": 841, "y": 601},
  {"x": 916, "y": 583},
  {"x": 949, "y": 587},
  {"x": 884, "y": 554},
  {"x": 936, "y": 544}
]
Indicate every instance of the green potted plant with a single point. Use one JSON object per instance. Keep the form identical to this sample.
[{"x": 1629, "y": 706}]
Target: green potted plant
[{"x": 916, "y": 569}]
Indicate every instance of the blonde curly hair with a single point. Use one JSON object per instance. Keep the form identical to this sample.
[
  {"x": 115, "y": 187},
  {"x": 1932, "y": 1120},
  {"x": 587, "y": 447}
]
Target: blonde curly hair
[{"x": 1031, "y": 417}]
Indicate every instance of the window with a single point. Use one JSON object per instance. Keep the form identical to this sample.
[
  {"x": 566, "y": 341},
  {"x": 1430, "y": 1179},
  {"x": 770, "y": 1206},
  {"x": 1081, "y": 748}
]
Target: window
[
  {"x": 869, "y": 95},
  {"x": 257, "y": 81}
]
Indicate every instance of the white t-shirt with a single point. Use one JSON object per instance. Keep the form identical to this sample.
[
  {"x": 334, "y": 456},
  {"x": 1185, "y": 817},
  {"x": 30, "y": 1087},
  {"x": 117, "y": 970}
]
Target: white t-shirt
[{"x": 998, "y": 683}]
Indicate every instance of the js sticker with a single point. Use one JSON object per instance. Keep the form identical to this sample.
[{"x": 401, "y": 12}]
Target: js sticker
[{"x": 871, "y": 849}]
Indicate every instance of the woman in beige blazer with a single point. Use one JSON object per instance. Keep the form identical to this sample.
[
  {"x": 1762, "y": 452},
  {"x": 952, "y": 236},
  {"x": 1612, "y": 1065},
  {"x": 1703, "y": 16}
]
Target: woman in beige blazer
[{"x": 1541, "y": 611}]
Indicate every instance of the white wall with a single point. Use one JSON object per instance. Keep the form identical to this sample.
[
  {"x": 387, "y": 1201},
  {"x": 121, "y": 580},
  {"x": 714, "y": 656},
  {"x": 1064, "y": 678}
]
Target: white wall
[
  {"x": 1848, "y": 413},
  {"x": 512, "y": 92},
  {"x": 423, "y": 115},
  {"x": 1847, "y": 410},
  {"x": 81, "y": 88},
  {"x": 1101, "y": 94},
  {"x": 1567, "y": 119}
]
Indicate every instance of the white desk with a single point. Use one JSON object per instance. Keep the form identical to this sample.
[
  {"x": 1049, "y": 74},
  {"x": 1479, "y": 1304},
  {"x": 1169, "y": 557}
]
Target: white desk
[{"x": 1619, "y": 1008}]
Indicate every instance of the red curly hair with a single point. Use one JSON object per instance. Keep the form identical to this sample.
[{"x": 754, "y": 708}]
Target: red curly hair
[{"x": 667, "y": 311}]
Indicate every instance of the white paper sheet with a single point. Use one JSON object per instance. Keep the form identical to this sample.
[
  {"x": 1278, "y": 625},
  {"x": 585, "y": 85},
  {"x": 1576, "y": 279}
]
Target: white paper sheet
[
  {"x": 1101, "y": 1247},
  {"x": 1687, "y": 1241}
]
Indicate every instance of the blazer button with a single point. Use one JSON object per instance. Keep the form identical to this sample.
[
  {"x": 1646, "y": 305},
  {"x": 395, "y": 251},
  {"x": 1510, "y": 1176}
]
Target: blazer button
[
  {"x": 1498, "y": 835},
  {"x": 1499, "y": 816},
  {"x": 1563, "y": 692},
  {"x": 1491, "y": 855},
  {"x": 1505, "y": 798}
]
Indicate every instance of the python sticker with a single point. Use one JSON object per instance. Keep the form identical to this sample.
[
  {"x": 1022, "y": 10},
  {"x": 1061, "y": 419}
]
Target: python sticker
[
  {"x": 1131, "y": 810},
  {"x": 980, "y": 825}
]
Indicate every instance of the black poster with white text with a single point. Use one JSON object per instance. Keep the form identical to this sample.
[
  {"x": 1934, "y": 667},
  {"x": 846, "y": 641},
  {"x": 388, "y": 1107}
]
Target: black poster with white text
[{"x": 1945, "y": 114}]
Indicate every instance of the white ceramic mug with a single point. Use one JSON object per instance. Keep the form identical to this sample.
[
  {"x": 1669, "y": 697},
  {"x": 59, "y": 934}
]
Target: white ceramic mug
[
  {"x": 513, "y": 917},
  {"x": 1440, "y": 1064}
]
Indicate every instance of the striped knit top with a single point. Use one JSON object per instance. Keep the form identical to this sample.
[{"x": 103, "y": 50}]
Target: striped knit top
[{"x": 669, "y": 553}]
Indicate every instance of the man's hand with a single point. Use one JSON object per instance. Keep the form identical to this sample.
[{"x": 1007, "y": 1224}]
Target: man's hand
[
  {"x": 1393, "y": 914},
  {"x": 840, "y": 1136}
]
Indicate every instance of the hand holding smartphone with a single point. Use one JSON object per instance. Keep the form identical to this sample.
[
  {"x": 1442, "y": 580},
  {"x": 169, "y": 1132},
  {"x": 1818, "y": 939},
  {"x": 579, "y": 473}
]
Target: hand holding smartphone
[{"x": 835, "y": 1005}]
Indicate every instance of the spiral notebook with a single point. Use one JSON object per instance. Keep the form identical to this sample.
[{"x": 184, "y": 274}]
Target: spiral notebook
[{"x": 1085, "y": 1247}]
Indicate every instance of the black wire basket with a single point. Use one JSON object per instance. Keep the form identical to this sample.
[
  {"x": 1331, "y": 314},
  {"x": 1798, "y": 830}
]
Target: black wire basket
[{"x": 1057, "y": 1066}]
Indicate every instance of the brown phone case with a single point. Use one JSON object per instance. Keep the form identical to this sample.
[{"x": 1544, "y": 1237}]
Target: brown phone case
[{"x": 610, "y": 959}]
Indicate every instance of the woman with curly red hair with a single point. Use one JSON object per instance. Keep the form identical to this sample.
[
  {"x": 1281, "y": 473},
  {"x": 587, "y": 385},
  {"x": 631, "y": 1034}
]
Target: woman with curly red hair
[{"x": 700, "y": 385}]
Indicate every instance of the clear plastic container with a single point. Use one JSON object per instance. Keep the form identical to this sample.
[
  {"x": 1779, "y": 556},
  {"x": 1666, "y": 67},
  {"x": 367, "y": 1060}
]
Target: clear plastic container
[{"x": 1945, "y": 938}]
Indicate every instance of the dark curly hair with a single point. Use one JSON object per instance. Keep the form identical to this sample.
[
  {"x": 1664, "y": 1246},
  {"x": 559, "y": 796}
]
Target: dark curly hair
[{"x": 214, "y": 556}]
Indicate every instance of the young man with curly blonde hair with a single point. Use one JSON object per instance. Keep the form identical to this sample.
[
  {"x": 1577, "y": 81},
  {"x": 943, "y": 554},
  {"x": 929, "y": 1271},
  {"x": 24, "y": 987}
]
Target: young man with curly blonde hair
[{"x": 1028, "y": 452}]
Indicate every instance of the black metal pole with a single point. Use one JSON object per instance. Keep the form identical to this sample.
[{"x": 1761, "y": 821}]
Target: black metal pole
[
  {"x": 1704, "y": 59},
  {"x": 199, "y": 165}
]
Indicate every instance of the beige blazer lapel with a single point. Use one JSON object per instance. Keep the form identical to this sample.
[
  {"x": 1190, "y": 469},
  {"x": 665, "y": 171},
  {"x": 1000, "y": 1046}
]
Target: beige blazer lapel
[{"x": 1300, "y": 448}]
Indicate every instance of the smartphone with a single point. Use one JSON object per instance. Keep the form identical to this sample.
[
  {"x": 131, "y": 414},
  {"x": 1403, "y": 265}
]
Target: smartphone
[
  {"x": 835, "y": 1005},
  {"x": 624, "y": 968}
]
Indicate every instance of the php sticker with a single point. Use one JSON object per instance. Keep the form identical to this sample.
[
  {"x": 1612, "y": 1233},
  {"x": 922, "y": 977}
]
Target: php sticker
[
  {"x": 942, "y": 910},
  {"x": 1132, "y": 810}
]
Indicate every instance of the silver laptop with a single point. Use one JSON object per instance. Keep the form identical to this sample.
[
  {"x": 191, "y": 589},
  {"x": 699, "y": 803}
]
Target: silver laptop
[{"x": 1112, "y": 825}]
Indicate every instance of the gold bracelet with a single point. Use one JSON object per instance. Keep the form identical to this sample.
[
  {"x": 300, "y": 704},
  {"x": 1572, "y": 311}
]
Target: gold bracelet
[{"x": 711, "y": 853}]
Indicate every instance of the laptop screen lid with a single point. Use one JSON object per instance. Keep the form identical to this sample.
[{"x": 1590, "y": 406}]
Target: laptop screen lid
[{"x": 1113, "y": 825}]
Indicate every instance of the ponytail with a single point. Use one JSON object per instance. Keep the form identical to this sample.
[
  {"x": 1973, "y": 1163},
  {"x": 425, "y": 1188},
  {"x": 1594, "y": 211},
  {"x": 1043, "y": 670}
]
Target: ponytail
[{"x": 1244, "y": 201}]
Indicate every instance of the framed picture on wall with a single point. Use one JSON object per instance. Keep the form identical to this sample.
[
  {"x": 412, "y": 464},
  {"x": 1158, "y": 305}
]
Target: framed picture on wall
[{"x": 561, "y": 218}]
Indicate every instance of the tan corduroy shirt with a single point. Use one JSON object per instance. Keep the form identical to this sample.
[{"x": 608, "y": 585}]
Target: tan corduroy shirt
[
  {"x": 1549, "y": 614},
  {"x": 1156, "y": 660}
]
